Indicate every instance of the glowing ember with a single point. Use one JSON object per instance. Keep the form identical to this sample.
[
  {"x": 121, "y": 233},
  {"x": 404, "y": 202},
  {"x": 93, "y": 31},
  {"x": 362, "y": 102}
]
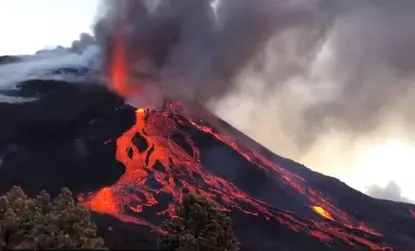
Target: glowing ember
[{"x": 321, "y": 211}]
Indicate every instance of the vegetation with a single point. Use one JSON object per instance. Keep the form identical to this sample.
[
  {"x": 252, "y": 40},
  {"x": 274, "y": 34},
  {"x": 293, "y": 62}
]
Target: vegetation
[
  {"x": 39, "y": 224},
  {"x": 199, "y": 226}
]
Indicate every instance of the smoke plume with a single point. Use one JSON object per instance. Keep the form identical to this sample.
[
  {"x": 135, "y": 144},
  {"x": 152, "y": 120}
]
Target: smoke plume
[
  {"x": 193, "y": 50},
  {"x": 309, "y": 79}
]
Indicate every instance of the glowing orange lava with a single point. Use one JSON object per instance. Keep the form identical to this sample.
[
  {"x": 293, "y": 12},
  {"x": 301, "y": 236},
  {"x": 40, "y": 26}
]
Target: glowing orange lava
[
  {"x": 104, "y": 201},
  {"x": 119, "y": 72},
  {"x": 293, "y": 180},
  {"x": 163, "y": 167},
  {"x": 321, "y": 211}
]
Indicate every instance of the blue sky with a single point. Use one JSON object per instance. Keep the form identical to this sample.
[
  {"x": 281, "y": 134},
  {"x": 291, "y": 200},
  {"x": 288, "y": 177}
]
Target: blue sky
[{"x": 30, "y": 25}]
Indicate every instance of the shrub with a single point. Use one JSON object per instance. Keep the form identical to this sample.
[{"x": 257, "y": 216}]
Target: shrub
[
  {"x": 199, "y": 226},
  {"x": 39, "y": 224}
]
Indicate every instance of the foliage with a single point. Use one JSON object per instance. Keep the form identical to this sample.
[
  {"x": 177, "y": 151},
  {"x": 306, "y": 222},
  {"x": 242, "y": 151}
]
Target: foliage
[
  {"x": 199, "y": 226},
  {"x": 39, "y": 224}
]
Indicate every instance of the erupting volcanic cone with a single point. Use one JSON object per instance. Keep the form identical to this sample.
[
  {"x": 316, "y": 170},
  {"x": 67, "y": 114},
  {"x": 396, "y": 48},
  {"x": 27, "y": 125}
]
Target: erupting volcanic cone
[
  {"x": 143, "y": 160},
  {"x": 139, "y": 162},
  {"x": 167, "y": 152},
  {"x": 162, "y": 160}
]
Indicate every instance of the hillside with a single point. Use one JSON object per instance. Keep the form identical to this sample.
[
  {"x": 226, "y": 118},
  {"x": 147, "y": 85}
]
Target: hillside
[{"x": 128, "y": 165}]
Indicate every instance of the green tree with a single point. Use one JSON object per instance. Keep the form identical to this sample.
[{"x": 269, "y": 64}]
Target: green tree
[
  {"x": 41, "y": 224},
  {"x": 199, "y": 226}
]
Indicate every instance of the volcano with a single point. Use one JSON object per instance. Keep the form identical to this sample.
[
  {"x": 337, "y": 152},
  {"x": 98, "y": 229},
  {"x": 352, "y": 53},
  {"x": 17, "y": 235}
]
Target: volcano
[{"x": 129, "y": 165}]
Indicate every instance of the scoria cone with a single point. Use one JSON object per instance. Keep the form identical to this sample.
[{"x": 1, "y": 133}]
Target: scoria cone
[{"x": 129, "y": 165}]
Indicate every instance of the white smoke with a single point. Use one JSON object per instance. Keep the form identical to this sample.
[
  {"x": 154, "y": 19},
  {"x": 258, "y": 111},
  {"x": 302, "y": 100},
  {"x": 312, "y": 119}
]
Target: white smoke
[{"x": 83, "y": 54}]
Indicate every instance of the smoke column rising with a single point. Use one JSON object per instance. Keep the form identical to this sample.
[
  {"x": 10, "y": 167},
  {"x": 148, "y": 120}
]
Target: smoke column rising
[
  {"x": 192, "y": 50},
  {"x": 310, "y": 79}
]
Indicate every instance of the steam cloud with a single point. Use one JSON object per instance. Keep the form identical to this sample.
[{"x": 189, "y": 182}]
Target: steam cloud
[
  {"x": 82, "y": 53},
  {"x": 307, "y": 78}
]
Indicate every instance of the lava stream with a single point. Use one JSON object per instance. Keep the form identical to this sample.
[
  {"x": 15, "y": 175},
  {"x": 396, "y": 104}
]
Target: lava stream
[
  {"x": 321, "y": 211},
  {"x": 162, "y": 167},
  {"x": 295, "y": 181}
]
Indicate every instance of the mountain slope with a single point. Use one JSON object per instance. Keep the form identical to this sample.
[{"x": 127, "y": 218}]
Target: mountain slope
[{"x": 129, "y": 165}]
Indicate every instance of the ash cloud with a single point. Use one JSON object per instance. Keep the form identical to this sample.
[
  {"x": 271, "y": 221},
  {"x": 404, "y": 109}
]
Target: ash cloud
[
  {"x": 368, "y": 68},
  {"x": 321, "y": 88},
  {"x": 193, "y": 50},
  {"x": 373, "y": 64}
]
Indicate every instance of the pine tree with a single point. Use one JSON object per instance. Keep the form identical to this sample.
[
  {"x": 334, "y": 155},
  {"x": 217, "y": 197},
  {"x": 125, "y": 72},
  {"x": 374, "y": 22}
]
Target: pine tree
[
  {"x": 199, "y": 226},
  {"x": 41, "y": 224}
]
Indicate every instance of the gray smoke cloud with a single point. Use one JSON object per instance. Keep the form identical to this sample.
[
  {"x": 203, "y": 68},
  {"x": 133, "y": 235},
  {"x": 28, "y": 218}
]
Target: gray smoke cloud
[
  {"x": 373, "y": 64},
  {"x": 391, "y": 191},
  {"x": 323, "y": 88},
  {"x": 195, "y": 50},
  {"x": 368, "y": 70},
  {"x": 309, "y": 79}
]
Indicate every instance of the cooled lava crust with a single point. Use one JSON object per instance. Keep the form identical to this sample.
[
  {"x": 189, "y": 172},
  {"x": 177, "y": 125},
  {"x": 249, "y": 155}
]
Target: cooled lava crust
[{"x": 130, "y": 165}]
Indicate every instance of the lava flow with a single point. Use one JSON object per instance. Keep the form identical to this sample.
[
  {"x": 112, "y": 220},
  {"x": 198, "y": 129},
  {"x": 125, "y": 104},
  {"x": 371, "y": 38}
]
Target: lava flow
[
  {"x": 321, "y": 211},
  {"x": 165, "y": 163},
  {"x": 157, "y": 167}
]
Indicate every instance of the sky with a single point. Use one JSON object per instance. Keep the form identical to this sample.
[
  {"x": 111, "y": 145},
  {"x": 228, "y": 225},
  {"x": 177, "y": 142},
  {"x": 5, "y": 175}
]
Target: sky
[
  {"x": 374, "y": 164},
  {"x": 30, "y": 25}
]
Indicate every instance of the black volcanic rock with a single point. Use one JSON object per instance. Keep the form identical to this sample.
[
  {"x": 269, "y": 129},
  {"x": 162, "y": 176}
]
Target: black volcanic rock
[
  {"x": 60, "y": 110},
  {"x": 46, "y": 143},
  {"x": 67, "y": 137}
]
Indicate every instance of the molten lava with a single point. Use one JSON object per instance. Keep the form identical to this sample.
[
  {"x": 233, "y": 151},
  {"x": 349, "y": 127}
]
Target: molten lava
[
  {"x": 321, "y": 211},
  {"x": 159, "y": 170},
  {"x": 118, "y": 71},
  {"x": 159, "y": 167}
]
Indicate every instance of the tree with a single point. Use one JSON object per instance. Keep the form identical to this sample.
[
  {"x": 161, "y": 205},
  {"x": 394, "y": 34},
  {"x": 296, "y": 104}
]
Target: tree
[
  {"x": 199, "y": 226},
  {"x": 39, "y": 224}
]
